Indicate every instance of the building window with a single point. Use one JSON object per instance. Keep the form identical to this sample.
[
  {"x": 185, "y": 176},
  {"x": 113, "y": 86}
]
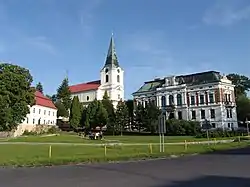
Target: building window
[
  {"x": 203, "y": 114},
  {"x": 27, "y": 120},
  {"x": 87, "y": 98},
  {"x": 34, "y": 110},
  {"x": 213, "y": 125},
  {"x": 118, "y": 78},
  {"x": 179, "y": 99},
  {"x": 163, "y": 101},
  {"x": 39, "y": 111},
  {"x": 107, "y": 78},
  {"x": 211, "y": 98},
  {"x": 229, "y": 125},
  {"x": 192, "y": 100},
  {"x": 106, "y": 70},
  {"x": 119, "y": 96},
  {"x": 171, "y": 100},
  {"x": 193, "y": 114},
  {"x": 180, "y": 115},
  {"x": 229, "y": 97},
  {"x": 33, "y": 121},
  {"x": 146, "y": 103},
  {"x": 44, "y": 112},
  {"x": 49, "y": 113},
  {"x": 212, "y": 113},
  {"x": 202, "y": 100},
  {"x": 229, "y": 113},
  {"x": 44, "y": 122},
  {"x": 53, "y": 114}
]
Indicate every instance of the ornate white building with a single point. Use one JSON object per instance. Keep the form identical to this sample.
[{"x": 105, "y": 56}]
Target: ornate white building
[
  {"x": 111, "y": 80},
  {"x": 206, "y": 96}
]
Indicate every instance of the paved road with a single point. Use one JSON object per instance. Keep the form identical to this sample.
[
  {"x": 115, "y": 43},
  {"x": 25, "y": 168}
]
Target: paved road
[{"x": 223, "y": 169}]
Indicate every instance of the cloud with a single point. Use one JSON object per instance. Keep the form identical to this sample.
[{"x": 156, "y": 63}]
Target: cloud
[
  {"x": 42, "y": 43},
  {"x": 87, "y": 16},
  {"x": 225, "y": 13}
]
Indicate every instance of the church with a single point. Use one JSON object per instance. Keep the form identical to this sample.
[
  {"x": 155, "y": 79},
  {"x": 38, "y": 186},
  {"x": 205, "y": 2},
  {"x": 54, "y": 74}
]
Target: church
[{"x": 111, "y": 80}]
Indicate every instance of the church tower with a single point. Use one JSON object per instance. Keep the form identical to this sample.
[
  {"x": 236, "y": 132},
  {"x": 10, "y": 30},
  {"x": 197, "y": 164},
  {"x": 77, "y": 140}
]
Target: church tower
[{"x": 112, "y": 76}]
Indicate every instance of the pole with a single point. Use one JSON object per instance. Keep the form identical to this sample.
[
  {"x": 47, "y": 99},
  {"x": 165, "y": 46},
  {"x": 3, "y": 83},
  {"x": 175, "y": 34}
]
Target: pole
[
  {"x": 151, "y": 149},
  {"x": 247, "y": 129},
  {"x": 163, "y": 148},
  {"x": 50, "y": 151},
  {"x": 105, "y": 150},
  {"x": 160, "y": 141}
]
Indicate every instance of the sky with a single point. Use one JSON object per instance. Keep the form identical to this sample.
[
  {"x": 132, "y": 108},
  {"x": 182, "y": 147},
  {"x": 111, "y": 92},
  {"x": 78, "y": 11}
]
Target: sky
[{"x": 153, "y": 38}]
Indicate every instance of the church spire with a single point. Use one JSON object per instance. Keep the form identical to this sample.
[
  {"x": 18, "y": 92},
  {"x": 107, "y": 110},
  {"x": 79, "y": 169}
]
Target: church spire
[{"x": 111, "y": 56}]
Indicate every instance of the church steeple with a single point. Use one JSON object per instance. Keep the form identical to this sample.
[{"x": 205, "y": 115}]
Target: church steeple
[{"x": 111, "y": 56}]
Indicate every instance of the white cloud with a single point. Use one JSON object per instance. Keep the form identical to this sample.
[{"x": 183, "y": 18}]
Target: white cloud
[
  {"x": 225, "y": 13},
  {"x": 42, "y": 43}
]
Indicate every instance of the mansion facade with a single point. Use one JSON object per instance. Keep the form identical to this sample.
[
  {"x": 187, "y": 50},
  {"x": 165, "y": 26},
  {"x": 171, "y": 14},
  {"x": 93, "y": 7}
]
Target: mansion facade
[
  {"x": 204, "y": 97},
  {"x": 111, "y": 80}
]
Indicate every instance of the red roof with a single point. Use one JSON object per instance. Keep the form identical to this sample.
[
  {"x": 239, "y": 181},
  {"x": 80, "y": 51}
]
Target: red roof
[
  {"x": 43, "y": 101},
  {"x": 93, "y": 85}
]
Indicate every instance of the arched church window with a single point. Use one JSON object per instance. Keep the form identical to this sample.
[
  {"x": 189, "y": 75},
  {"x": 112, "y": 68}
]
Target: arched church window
[
  {"x": 87, "y": 98},
  {"x": 107, "y": 78},
  {"x": 118, "y": 78},
  {"x": 118, "y": 70},
  {"x": 106, "y": 70}
]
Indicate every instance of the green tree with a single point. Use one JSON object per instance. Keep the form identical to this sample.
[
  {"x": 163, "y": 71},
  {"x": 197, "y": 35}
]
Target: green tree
[
  {"x": 130, "y": 106},
  {"x": 241, "y": 82},
  {"x": 61, "y": 110},
  {"x": 151, "y": 117},
  {"x": 15, "y": 95},
  {"x": 107, "y": 104},
  {"x": 75, "y": 113},
  {"x": 243, "y": 107},
  {"x": 140, "y": 114},
  {"x": 122, "y": 116},
  {"x": 96, "y": 115},
  {"x": 63, "y": 94},
  {"x": 39, "y": 87}
]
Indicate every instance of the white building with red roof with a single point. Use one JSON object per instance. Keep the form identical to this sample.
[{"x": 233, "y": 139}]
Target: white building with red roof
[
  {"x": 43, "y": 112},
  {"x": 111, "y": 80}
]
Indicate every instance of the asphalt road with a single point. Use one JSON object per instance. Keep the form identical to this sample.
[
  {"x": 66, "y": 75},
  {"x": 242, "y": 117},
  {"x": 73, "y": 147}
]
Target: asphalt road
[{"x": 222, "y": 169}]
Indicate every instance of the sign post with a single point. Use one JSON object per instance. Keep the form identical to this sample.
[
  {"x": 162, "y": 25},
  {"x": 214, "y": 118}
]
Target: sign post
[{"x": 162, "y": 130}]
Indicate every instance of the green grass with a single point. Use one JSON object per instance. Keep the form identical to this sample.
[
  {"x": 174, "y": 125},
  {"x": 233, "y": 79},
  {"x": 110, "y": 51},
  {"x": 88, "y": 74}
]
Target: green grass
[
  {"x": 71, "y": 138},
  {"x": 34, "y": 155}
]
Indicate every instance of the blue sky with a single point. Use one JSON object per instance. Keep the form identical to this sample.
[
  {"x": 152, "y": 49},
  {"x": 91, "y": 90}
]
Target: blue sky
[{"x": 153, "y": 38}]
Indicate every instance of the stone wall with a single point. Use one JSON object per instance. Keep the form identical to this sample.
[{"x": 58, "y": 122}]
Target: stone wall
[{"x": 31, "y": 128}]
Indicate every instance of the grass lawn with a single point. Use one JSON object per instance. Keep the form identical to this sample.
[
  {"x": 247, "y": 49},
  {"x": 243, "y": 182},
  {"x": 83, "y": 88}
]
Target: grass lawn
[
  {"x": 73, "y": 138},
  {"x": 31, "y": 155}
]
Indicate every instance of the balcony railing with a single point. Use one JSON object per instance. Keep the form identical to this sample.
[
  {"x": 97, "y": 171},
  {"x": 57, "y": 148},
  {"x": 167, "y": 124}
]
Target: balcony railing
[{"x": 229, "y": 104}]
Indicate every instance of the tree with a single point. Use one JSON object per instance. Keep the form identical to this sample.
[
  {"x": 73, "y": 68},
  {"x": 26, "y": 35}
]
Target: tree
[
  {"x": 241, "y": 82},
  {"x": 140, "y": 114},
  {"x": 130, "y": 106},
  {"x": 75, "y": 113},
  {"x": 107, "y": 104},
  {"x": 16, "y": 95},
  {"x": 63, "y": 94},
  {"x": 61, "y": 110},
  {"x": 96, "y": 115},
  {"x": 53, "y": 97},
  {"x": 122, "y": 116},
  {"x": 243, "y": 107},
  {"x": 151, "y": 117},
  {"x": 39, "y": 87}
]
